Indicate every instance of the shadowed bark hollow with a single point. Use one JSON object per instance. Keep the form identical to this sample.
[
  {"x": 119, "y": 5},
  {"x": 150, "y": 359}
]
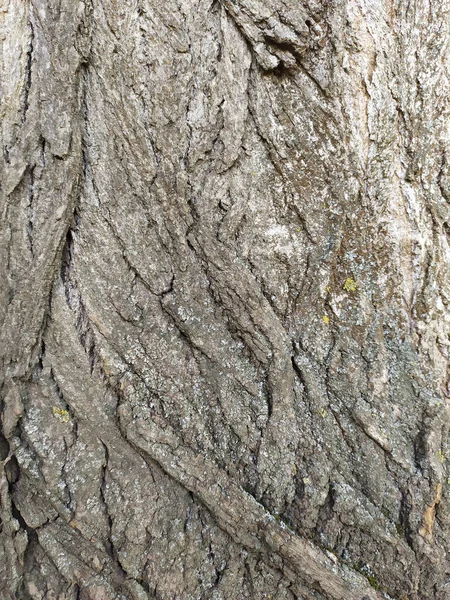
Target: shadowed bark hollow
[{"x": 224, "y": 300}]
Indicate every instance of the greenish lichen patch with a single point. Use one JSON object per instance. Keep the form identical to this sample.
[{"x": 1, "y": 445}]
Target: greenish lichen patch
[
  {"x": 350, "y": 285},
  {"x": 368, "y": 574},
  {"x": 61, "y": 414}
]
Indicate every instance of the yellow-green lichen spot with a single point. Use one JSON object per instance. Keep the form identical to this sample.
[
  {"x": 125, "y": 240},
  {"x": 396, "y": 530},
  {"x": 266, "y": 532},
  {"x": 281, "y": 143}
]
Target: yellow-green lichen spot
[
  {"x": 61, "y": 414},
  {"x": 350, "y": 285}
]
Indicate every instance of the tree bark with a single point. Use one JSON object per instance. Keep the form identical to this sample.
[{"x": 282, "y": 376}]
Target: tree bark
[{"x": 225, "y": 300}]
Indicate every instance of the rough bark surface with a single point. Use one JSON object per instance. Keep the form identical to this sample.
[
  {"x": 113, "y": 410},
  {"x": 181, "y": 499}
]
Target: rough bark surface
[{"x": 224, "y": 300}]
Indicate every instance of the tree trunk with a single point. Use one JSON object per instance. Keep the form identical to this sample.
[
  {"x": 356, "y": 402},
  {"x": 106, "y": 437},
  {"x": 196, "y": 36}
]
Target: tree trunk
[{"x": 225, "y": 300}]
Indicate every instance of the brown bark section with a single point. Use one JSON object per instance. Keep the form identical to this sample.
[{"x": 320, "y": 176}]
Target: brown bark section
[{"x": 224, "y": 311}]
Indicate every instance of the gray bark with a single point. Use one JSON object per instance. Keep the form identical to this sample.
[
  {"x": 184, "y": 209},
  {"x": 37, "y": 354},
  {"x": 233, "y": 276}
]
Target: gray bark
[{"x": 225, "y": 300}]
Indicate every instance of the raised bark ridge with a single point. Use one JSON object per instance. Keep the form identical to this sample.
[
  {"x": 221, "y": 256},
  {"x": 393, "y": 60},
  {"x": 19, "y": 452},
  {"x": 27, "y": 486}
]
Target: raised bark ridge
[{"x": 224, "y": 318}]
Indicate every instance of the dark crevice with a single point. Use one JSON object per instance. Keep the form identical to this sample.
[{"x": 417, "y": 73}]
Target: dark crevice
[
  {"x": 442, "y": 181},
  {"x": 144, "y": 584},
  {"x": 300, "y": 376},
  {"x": 68, "y": 501},
  {"x": 40, "y": 361},
  {"x": 446, "y": 227},
  {"x": 31, "y": 533},
  {"x": 12, "y": 469},
  {"x": 405, "y": 509},
  {"x": 73, "y": 296},
  {"x": 30, "y": 211},
  {"x": 420, "y": 450},
  {"x": 249, "y": 580},
  {"x": 283, "y": 70},
  {"x": 66, "y": 262},
  {"x": 4, "y": 447},
  {"x": 77, "y": 591},
  {"x": 169, "y": 288},
  {"x": 109, "y": 547},
  {"x": 86, "y": 334},
  {"x": 92, "y": 357},
  {"x": 28, "y": 73},
  {"x": 103, "y": 487},
  {"x": 325, "y": 513}
]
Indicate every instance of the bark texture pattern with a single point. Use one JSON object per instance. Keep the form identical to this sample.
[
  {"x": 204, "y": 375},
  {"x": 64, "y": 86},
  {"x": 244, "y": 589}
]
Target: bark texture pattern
[{"x": 225, "y": 299}]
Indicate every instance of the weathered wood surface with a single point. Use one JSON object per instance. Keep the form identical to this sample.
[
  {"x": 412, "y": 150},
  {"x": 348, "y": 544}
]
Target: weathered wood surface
[{"x": 224, "y": 300}]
